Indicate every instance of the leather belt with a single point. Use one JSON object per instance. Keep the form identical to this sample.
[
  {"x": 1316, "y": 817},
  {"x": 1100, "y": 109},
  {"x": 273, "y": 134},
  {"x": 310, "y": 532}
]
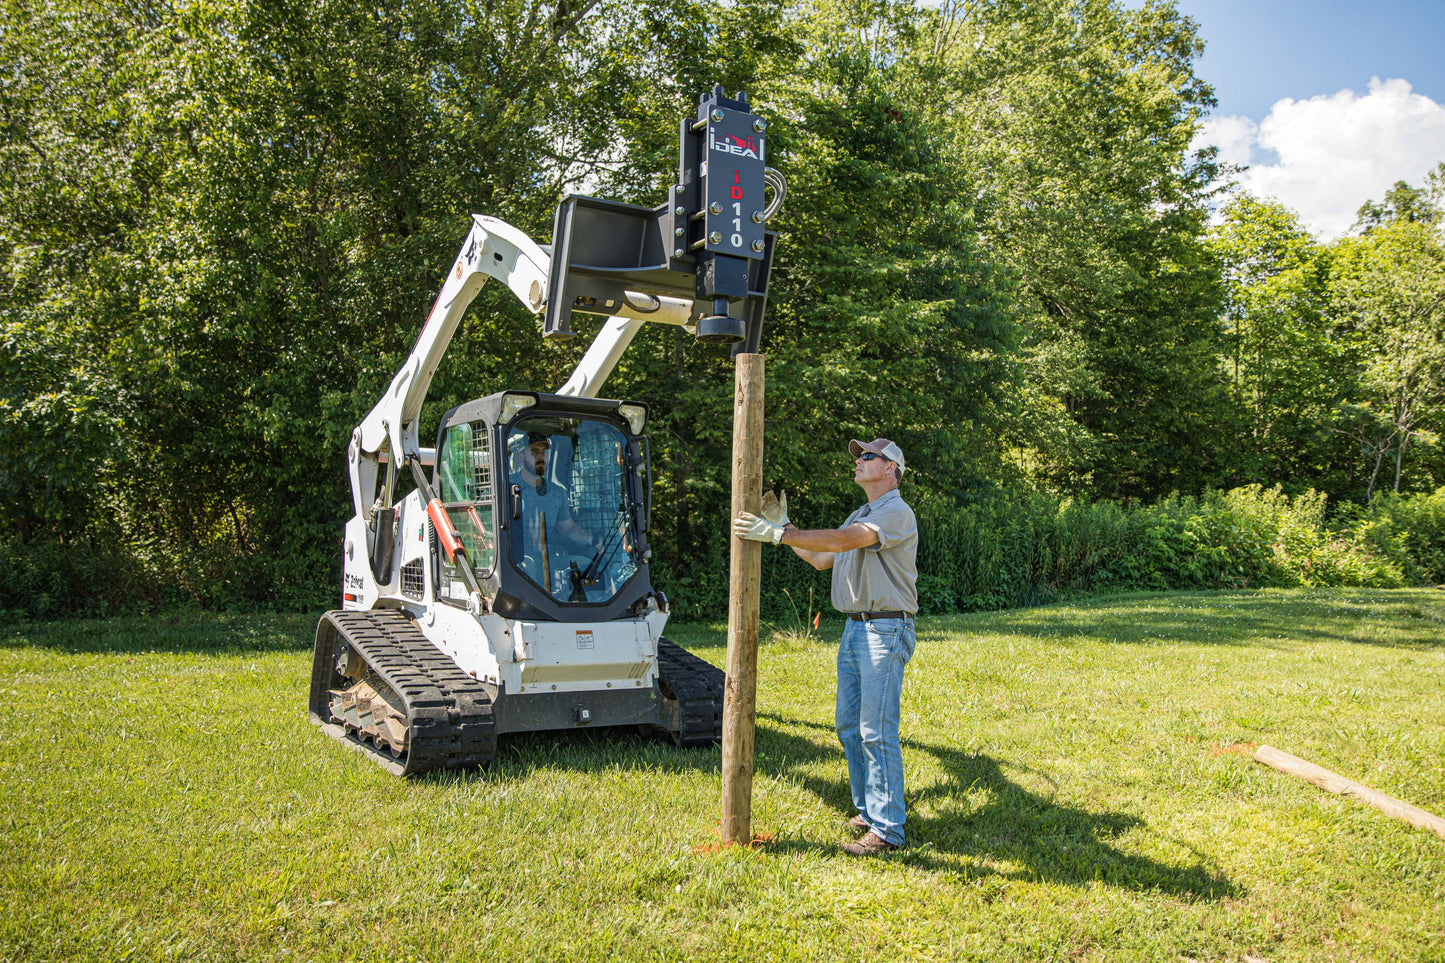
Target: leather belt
[{"x": 866, "y": 616}]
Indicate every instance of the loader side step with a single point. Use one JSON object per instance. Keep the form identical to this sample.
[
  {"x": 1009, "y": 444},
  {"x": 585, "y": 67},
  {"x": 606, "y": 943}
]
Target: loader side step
[{"x": 383, "y": 656}]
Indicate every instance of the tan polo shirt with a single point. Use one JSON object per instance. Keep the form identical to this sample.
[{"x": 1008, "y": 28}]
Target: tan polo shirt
[{"x": 881, "y": 577}]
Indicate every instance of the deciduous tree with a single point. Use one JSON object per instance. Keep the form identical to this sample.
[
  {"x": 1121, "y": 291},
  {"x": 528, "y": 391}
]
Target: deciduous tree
[
  {"x": 1389, "y": 287},
  {"x": 1075, "y": 120},
  {"x": 1287, "y": 363}
]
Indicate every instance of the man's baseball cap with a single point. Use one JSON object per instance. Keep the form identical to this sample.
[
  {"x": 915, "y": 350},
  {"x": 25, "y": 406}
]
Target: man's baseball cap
[{"x": 879, "y": 446}]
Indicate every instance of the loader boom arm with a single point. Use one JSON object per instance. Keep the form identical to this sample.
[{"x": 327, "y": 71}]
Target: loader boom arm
[{"x": 492, "y": 249}]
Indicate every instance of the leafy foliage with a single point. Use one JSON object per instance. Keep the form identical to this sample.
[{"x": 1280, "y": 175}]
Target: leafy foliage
[
  {"x": 220, "y": 226},
  {"x": 1389, "y": 290},
  {"x": 1287, "y": 361},
  {"x": 216, "y": 216},
  {"x": 1025, "y": 550},
  {"x": 1012, "y": 550},
  {"x": 1076, "y": 119}
]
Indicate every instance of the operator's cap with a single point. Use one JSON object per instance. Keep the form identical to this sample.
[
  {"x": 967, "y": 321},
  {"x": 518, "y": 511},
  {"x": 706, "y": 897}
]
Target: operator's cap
[{"x": 878, "y": 446}]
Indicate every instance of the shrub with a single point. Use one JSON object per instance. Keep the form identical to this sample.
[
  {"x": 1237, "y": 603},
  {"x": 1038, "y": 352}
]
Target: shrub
[
  {"x": 90, "y": 575},
  {"x": 1417, "y": 522},
  {"x": 1025, "y": 549},
  {"x": 998, "y": 552}
]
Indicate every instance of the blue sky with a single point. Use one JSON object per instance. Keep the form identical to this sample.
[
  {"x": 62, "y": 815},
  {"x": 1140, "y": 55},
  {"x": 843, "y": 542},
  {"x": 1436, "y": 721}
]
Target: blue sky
[
  {"x": 1326, "y": 102},
  {"x": 1259, "y": 52}
]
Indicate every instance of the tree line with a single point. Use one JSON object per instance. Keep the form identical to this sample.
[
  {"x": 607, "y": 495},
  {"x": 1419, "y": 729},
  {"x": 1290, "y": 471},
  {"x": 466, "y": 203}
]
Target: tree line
[{"x": 222, "y": 223}]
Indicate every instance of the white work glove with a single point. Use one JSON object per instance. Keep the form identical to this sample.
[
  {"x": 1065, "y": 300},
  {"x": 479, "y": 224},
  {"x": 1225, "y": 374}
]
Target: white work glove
[
  {"x": 775, "y": 508},
  {"x": 750, "y": 526}
]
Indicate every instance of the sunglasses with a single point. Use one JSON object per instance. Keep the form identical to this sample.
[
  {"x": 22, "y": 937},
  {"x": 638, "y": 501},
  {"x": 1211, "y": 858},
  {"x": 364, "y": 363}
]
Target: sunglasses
[{"x": 870, "y": 455}]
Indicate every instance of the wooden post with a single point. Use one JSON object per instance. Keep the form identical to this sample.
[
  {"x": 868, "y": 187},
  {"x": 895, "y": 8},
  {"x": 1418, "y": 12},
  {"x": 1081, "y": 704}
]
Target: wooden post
[
  {"x": 1335, "y": 783},
  {"x": 740, "y": 696}
]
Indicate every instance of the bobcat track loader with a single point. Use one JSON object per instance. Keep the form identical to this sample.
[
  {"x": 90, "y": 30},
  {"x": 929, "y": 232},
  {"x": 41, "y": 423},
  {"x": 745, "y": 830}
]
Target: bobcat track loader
[{"x": 508, "y": 588}]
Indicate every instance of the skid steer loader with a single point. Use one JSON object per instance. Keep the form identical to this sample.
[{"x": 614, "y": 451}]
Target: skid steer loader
[{"x": 499, "y": 581}]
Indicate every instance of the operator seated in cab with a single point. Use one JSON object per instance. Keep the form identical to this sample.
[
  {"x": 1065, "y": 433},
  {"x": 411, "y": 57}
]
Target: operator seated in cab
[
  {"x": 550, "y": 535},
  {"x": 575, "y": 534}
]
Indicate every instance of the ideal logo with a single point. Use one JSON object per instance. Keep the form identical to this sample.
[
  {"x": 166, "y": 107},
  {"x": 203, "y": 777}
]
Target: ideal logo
[{"x": 732, "y": 144}]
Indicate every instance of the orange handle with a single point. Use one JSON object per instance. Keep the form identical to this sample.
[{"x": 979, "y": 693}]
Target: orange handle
[{"x": 451, "y": 543}]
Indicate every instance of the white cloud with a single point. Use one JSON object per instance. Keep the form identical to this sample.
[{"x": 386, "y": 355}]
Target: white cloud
[
  {"x": 1334, "y": 153},
  {"x": 1234, "y": 136}
]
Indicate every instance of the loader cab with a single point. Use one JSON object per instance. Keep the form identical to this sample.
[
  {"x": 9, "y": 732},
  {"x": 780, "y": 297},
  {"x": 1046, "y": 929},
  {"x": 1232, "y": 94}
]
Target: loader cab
[{"x": 549, "y": 494}]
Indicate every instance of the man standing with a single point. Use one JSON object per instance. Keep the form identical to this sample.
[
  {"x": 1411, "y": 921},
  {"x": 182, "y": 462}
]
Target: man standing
[{"x": 875, "y": 581}]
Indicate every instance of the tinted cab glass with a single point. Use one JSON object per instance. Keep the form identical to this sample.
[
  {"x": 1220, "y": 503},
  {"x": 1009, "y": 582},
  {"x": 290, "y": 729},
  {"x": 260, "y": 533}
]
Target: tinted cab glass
[{"x": 574, "y": 536}]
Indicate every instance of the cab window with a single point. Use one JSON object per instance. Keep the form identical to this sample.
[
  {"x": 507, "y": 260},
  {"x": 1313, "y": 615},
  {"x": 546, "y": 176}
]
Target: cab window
[
  {"x": 464, "y": 485},
  {"x": 575, "y": 537}
]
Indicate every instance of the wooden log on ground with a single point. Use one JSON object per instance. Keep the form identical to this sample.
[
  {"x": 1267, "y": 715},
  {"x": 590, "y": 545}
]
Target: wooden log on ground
[
  {"x": 1335, "y": 783},
  {"x": 744, "y": 586}
]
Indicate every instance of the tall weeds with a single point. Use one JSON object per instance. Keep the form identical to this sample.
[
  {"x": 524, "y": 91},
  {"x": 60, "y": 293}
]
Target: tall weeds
[
  {"x": 1019, "y": 550},
  {"x": 1006, "y": 551}
]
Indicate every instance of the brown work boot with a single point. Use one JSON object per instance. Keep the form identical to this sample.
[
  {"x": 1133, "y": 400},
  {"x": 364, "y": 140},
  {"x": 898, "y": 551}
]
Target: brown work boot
[
  {"x": 871, "y": 844},
  {"x": 858, "y": 824}
]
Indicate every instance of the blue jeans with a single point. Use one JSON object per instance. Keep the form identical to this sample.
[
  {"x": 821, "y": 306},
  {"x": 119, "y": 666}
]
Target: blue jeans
[{"x": 870, "y": 685}]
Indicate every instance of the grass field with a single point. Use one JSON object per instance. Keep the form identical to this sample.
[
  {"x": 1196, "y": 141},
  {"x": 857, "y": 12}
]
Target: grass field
[{"x": 1079, "y": 779}]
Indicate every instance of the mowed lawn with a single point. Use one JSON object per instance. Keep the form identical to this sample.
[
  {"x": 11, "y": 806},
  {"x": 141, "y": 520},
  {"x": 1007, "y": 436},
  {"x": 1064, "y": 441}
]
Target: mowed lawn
[{"x": 1079, "y": 777}]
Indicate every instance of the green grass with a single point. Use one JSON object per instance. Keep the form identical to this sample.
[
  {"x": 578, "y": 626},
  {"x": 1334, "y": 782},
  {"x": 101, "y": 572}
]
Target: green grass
[{"x": 1073, "y": 788}]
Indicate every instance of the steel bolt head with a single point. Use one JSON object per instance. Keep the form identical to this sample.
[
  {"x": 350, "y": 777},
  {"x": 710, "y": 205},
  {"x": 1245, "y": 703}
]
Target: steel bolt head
[
  {"x": 759, "y": 125},
  {"x": 717, "y": 115},
  {"x": 715, "y": 207},
  {"x": 757, "y": 217},
  {"x": 758, "y": 246},
  {"x": 678, "y": 232},
  {"x": 715, "y": 237},
  {"x": 677, "y": 252},
  {"x": 679, "y": 210}
]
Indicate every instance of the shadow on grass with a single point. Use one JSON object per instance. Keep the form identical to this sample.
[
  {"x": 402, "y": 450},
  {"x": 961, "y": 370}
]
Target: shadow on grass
[
  {"x": 1000, "y": 828},
  {"x": 1235, "y": 618},
  {"x": 618, "y": 748},
  {"x": 181, "y": 630}
]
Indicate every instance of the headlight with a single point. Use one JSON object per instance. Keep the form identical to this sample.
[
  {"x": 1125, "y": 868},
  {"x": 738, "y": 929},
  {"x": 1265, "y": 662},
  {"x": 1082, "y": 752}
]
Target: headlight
[
  {"x": 514, "y": 404},
  {"x": 636, "y": 416}
]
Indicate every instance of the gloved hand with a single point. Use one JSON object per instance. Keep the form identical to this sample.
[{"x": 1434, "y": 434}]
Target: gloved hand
[
  {"x": 750, "y": 526},
  {"x": 775, "y": 508}
]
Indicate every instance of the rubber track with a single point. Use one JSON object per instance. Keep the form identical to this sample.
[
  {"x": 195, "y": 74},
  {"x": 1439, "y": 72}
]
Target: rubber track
[
  {"x": 449, "y": 716},
  {"x": 698, "y": 686}
]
